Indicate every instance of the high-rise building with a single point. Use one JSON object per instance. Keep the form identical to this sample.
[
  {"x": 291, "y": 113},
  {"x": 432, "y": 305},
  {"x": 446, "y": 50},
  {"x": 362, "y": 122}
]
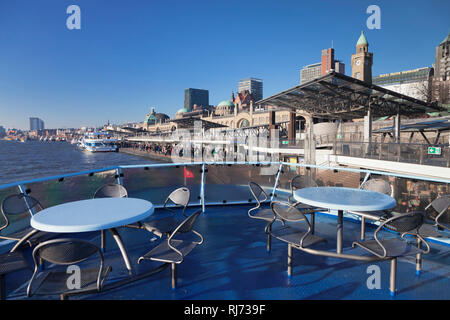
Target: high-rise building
[
  {"x": 2, "y": 131},
  {"x": 200, "y": 97},
  {"x": 441, "y": 81},
  {"x": 252, "y": 85},
  {"x": 36, "y": 124},
  {"x": 310, "y": 72},
  {"x": 362, "y": 60},
  {"x": 327, "y": 64}
]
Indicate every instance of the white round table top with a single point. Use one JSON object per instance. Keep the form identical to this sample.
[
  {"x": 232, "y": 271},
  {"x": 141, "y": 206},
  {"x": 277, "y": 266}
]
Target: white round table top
[
  {"x": 340, "y": 198},
  {"x": 92, "y": 215}
]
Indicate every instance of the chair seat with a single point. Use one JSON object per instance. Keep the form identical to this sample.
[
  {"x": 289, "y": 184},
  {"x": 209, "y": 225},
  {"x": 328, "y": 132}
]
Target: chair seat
[
  {"x": 293, "y": 235},
  {"x": 372, "y": 215},
  {"x": 394, "y": 247},
  {"x": 307, "y": 209},
  {"x": 263, "y": 214},
  {"x": 12, "y": 261},
  {"x": 54, "y": 281},
  {"x": 164, "y": 253},
  {"x": 162, "y": 226}
]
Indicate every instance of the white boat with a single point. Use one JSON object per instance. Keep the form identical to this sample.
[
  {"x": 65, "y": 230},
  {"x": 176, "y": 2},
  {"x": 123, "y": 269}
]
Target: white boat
[{"x": 98, "y": 142}]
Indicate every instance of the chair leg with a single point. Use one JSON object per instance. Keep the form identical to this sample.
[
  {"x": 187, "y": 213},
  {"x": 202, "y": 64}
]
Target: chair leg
[
  {"x": 363, "y": 228},
  {"x": 393, "y": 277},
  {"x": 269, "y": 242},
  {"x": 2, "y": 287},
  {"x": 313, "y": 222},
  {"x": 289, "y": 260},
  {"x": 174, "y": 275},
  {"x": 418, "y": 259},
  {"x": 103, "y": 240}
]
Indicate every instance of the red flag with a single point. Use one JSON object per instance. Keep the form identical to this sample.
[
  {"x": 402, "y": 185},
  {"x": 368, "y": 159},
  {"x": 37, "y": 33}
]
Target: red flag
[{"x": 188, "y": 174}]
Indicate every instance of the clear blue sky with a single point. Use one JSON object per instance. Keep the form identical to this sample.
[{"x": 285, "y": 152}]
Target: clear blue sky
[{"x": 132, "y": 55}]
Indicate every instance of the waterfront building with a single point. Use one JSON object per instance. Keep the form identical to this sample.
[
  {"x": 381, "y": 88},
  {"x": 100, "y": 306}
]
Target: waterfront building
[
  {"x": 441, "y": 81},
  {"x": 414, "y": 83},
  {"x": 362, "y": 60},
  {"x": 36, "y": 124},
  {"x": 153, "y": 118},
  {"x": 253, "y": 86},
  {"x": 192, "y": 96},
  {"x": 2, "y": 132}
]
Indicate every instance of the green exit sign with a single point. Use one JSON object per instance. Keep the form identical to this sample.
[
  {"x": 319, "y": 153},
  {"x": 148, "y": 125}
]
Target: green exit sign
[
  {"x": 434, "y": 150},
  {"x": 285, "y": 142}
]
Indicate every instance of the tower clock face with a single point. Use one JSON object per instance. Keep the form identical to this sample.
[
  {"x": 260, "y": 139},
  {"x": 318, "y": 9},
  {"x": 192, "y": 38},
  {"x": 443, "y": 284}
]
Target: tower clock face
[{"x": 358, "y": 62}]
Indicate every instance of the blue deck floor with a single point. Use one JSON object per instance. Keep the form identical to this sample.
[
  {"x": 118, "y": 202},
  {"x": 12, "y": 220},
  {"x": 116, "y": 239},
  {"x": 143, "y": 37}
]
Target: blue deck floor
[{"x": 233, "y": 264}]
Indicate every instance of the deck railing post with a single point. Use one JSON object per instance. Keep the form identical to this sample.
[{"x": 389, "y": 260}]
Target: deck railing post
[
  {"x": 276, "y": 182},
  {"x": 202, "y": 188},
  {"x": 24, "y": 191}
]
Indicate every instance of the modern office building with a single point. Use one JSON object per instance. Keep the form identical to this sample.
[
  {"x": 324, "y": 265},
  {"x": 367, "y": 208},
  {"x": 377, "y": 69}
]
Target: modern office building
[
  {"x": 253, "y": 86},
  {"x": 339, "y": 67},
  {"x": 414, "y": 83},
  {"x": 310, "y": 72},
  {"x": 200, "y": 97},
  {"x": 36, "y": 124}
]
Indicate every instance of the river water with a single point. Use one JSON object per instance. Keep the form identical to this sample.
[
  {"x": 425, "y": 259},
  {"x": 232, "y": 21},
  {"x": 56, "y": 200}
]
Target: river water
[{"x": 33, "y": 159}]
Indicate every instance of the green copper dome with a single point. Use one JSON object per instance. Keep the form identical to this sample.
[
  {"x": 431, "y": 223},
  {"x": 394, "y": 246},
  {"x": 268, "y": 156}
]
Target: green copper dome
[
  {"x": 362, "y": 40},
  {"x": 182, "y": 110},
  {"x": 226, "y": 103}
]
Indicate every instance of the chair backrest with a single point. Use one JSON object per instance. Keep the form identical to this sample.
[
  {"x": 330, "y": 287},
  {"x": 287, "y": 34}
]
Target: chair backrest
[
  {"x": 378, "y": 185},
  {"x": 180, "y": 196},
  {"x": 405, "y": 223},
  {"x": 187, "y": 224},
  {"x": 65, "y": 251},
  {"x": 287, "y": 212},
  {"x": 441, "y": 204},
  {"x": 19, "y": 203},
  {"x": 258, "y": 193},
  {"x": 300, "y": 182},
  {"x": 111, "y": 190}
]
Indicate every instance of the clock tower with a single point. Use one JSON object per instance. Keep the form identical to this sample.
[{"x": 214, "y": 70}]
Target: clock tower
[{"x": 362, "y": 60}]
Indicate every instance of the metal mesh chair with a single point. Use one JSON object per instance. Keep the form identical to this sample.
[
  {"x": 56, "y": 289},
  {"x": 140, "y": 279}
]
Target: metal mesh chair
[
  {"x": 377, "y": 185},
  {"x": 111, "y": 190},
  {"x": 10, "y": 262},
  {"x": 174, "y": 250},
  {"x": 440, "y": 205},
  {"x": 290, "y": 225},
  {"x": 65, "y": 252},
  {"x": 257, "y": 212},
  {"x": 13, "y": 208},
  {"x": 408, "y": 223},
  {"x": 164, "y": 226},
  {"x": 300, "y": 182}
]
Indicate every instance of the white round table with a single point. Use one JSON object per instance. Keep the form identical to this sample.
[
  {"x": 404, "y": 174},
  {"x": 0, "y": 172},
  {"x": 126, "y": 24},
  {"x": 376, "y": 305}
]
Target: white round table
[
  {"x": 94, "y": 215},
  {"x": 344, "y": 199}
]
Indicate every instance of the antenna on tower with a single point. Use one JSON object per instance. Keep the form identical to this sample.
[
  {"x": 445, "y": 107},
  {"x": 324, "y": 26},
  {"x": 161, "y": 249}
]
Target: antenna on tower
[{"x": 332, "y": 44}]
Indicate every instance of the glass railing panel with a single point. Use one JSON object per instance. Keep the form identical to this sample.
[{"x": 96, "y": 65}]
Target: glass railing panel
[
  {"x": 323, "y": 177},
  {"x": 156, "y": 183},
  {"x": 80, "y": 187},
  {"x": 229, "y": 183}
]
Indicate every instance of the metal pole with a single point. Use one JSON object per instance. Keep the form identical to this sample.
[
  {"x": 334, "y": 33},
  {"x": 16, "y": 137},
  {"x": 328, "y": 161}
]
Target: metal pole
[
  {"x": 202, "y": 188},
  {"x": 393, "y": 277},
  {"x": 289, "y": 261},
  {"x": 340, "y": 219},
  {"x": 276, "y": 182}
]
